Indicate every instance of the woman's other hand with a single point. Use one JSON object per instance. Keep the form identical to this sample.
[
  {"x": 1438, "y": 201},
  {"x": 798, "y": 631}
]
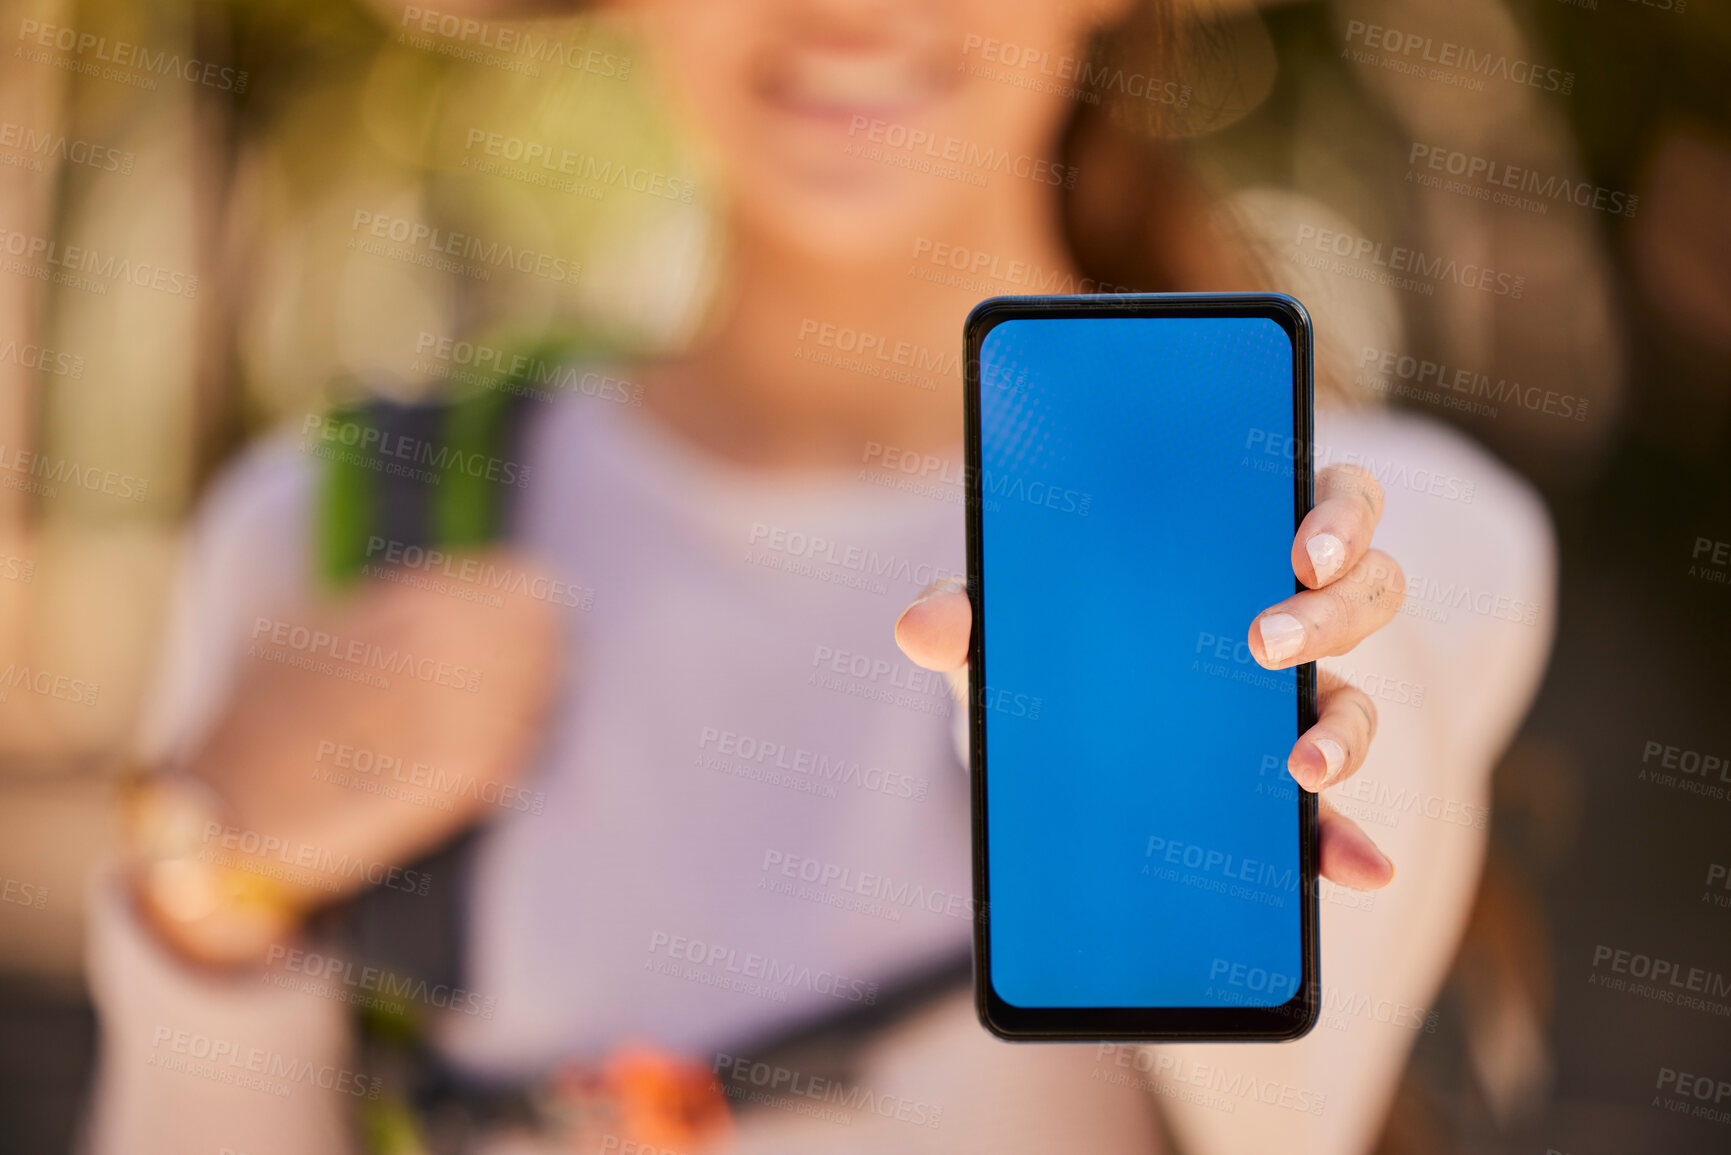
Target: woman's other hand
[{"x": 358, "y": 737}]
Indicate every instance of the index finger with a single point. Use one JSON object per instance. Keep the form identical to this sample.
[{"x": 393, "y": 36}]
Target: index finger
[{"x": 1335, "y": 535}]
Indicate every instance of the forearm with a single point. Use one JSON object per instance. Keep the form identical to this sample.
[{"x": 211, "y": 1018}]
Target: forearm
[{"x": 191, "y": 1061}]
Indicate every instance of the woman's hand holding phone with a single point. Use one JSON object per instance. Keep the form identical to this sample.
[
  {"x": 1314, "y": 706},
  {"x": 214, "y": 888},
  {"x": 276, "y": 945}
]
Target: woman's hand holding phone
[{"x": 1351, "y": 592}]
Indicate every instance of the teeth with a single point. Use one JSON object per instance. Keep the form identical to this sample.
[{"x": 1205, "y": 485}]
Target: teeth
[{"x": 852, "y": 78}]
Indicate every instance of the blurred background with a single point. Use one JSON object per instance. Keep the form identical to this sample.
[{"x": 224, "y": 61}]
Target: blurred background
[{"x": 313, "y": 205}]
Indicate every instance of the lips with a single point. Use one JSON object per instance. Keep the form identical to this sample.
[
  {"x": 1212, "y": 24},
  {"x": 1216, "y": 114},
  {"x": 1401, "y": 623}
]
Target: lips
[{"x": 840, "y": 83}]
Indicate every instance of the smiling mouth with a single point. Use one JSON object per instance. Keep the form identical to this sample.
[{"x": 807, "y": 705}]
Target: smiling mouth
[{"x": 838, "y": 84}]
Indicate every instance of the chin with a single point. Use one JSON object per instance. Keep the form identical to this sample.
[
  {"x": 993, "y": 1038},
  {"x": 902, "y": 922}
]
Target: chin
[{"x": 864, "y": 227}]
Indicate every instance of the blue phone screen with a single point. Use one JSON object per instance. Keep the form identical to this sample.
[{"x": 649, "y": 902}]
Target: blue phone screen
[{"x": 1142, "y": 830}]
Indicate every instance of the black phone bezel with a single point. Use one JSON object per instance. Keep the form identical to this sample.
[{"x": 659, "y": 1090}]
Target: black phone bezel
[{"x": 1297, "y": 1016}]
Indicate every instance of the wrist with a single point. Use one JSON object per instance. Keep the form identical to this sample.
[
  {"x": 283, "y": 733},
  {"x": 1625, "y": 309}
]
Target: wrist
[{"x": 210, "y": 907}]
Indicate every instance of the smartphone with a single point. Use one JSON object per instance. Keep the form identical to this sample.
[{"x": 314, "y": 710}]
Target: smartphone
[{"x": 1144, "y": 866}]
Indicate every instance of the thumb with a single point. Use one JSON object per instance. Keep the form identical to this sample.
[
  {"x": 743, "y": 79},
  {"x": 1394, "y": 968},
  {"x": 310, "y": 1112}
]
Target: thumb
[{"x": 933, "y": 631}]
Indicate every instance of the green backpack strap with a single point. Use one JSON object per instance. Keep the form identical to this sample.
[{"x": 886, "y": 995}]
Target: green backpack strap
[{"x": 441, "y": 473}]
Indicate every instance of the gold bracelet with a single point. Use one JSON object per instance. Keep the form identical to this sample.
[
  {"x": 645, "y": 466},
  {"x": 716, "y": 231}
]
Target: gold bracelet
[{"x": 218, "y": 913}]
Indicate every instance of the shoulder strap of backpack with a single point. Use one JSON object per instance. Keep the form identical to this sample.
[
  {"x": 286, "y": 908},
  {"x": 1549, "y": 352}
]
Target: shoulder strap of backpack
[
  {"x": 434, "y": 474},
  {"x": 443, "y": 473},
  {"x": 440, "y": 473}
]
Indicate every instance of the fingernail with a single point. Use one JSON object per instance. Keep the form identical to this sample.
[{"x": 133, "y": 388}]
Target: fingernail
[
  {"x": 1333, "y": 757},
  {"x": 1282, "y": 636},
  {"x": 1327, "y": 554}
]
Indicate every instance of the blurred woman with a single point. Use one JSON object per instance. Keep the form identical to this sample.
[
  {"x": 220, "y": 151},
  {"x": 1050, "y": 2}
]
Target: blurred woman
[{"x": 679, "y": 702}]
